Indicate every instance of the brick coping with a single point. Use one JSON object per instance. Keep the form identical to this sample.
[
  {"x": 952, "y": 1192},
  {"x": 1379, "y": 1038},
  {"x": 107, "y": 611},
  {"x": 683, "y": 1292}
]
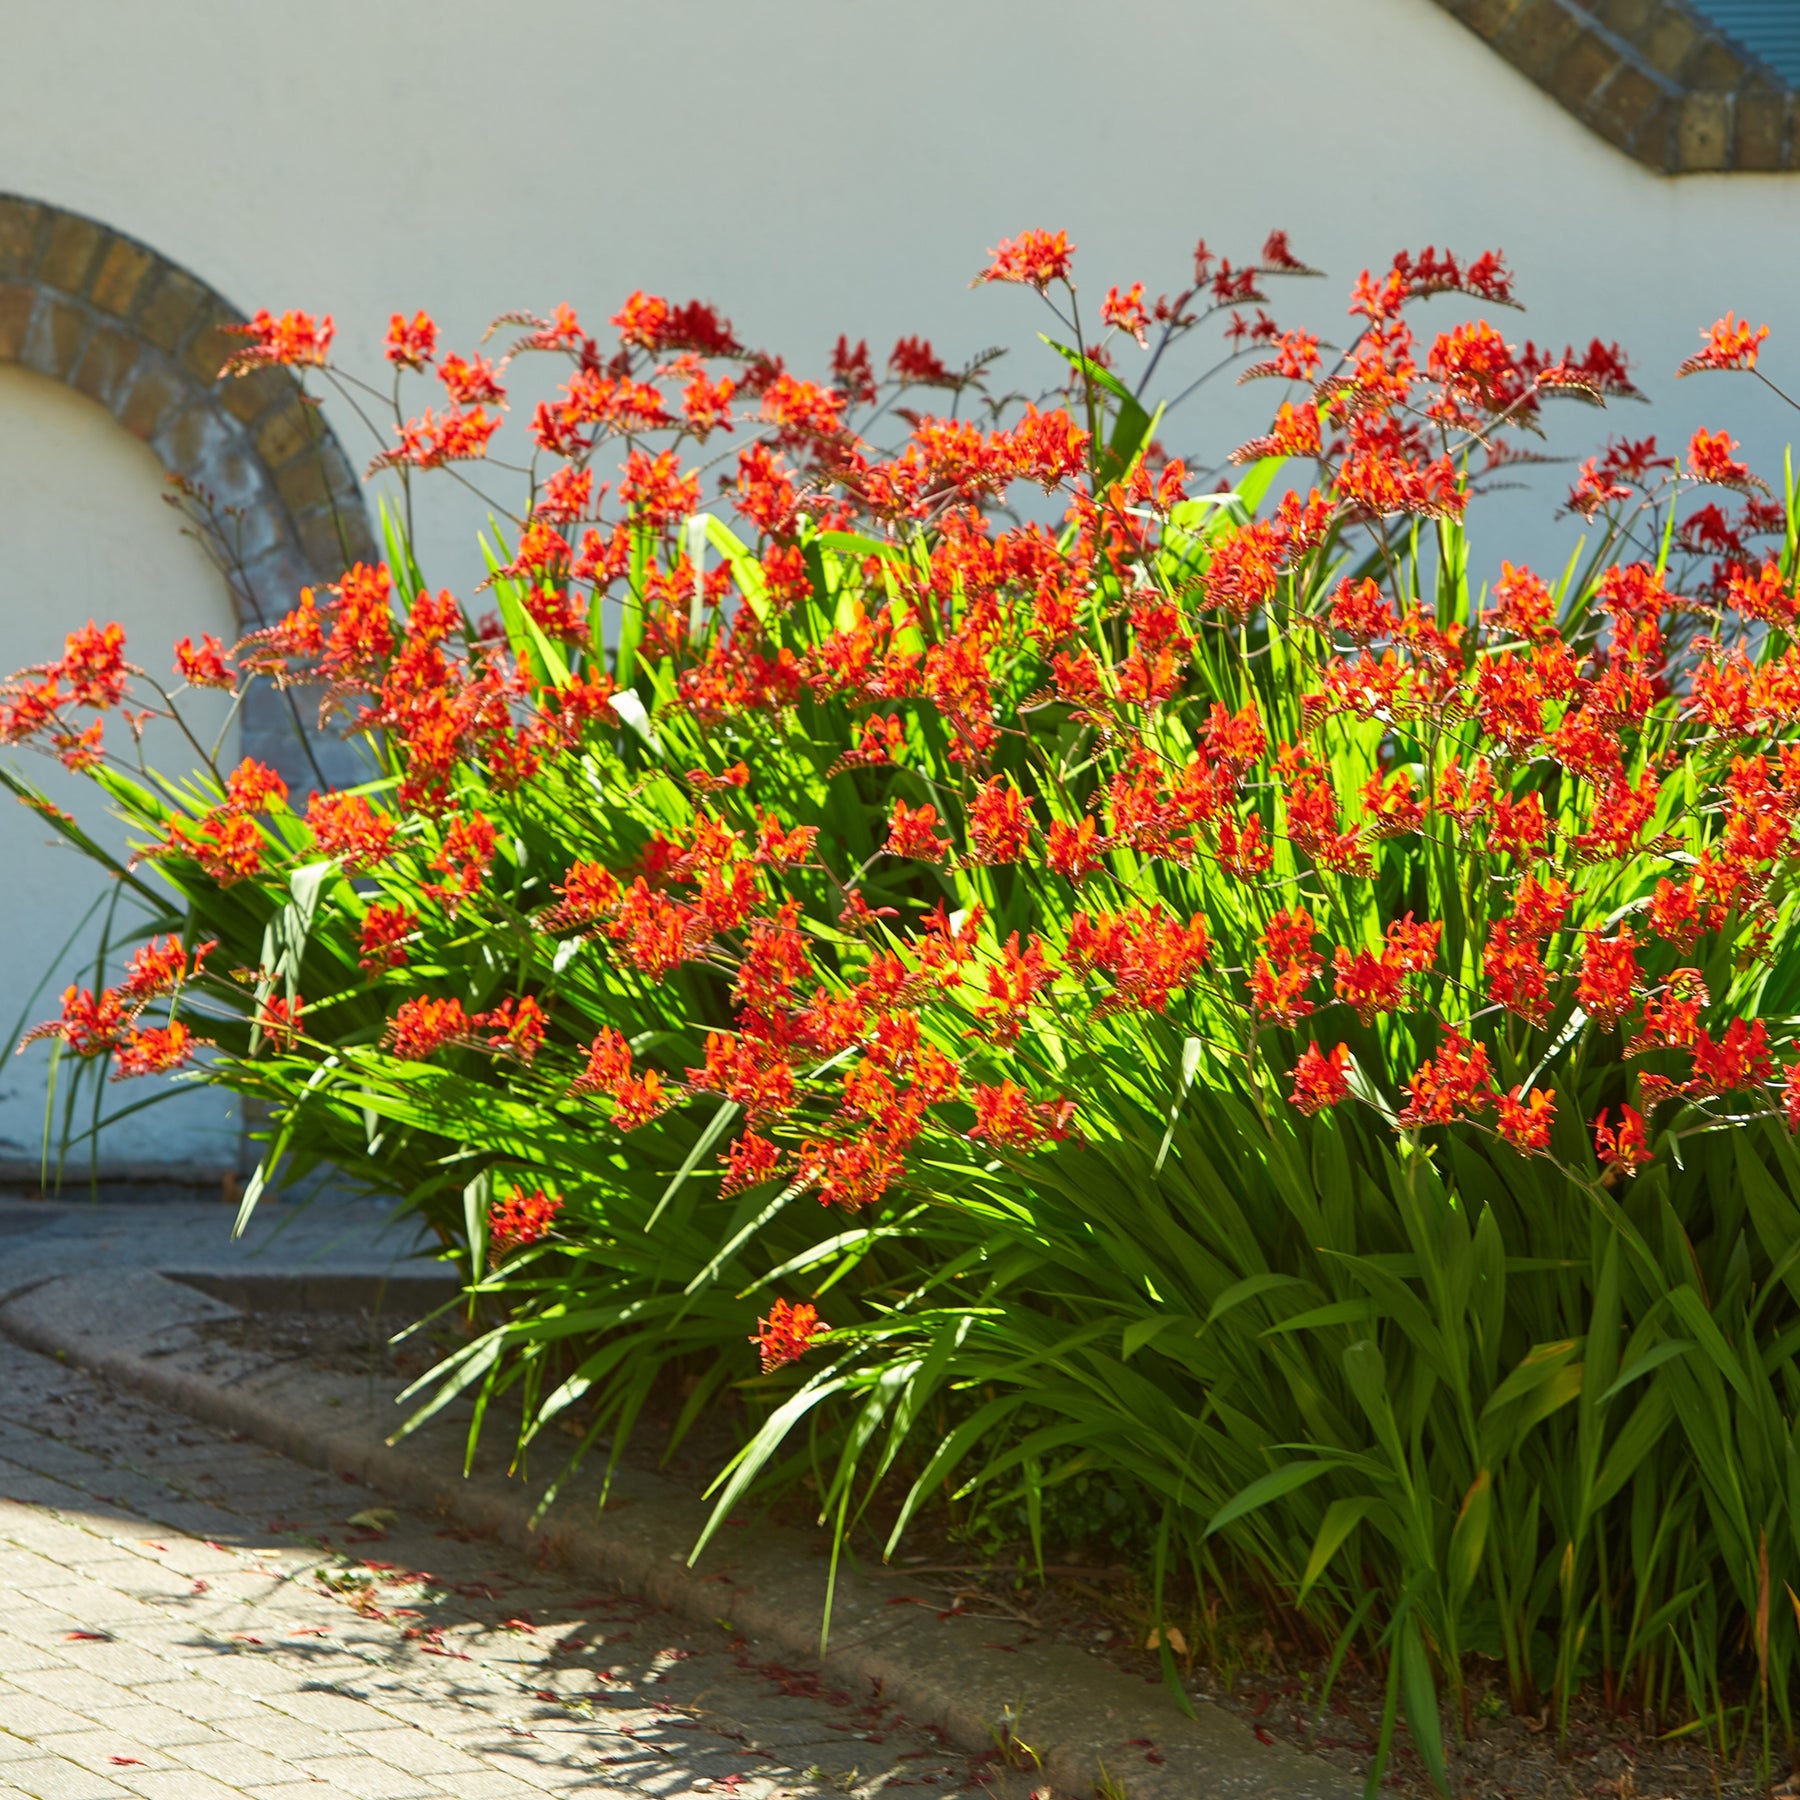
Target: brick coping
[{"x": 1654, "y": 78}]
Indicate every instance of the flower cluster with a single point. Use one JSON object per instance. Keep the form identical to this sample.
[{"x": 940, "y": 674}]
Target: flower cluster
[
  {"x": 520, "y": 1219},
  {"x": 786, "y": 1334},
  {"x": 916, "y": 811},
  {"x": 109, "y": 1023}
]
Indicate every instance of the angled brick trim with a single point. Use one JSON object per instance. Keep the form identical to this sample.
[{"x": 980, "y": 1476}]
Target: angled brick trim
[
  {"x": 108, "y": 316},
  {"x": 1655, "y": 78}
]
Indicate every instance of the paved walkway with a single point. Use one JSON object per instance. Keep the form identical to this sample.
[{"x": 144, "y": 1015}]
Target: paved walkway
[
  {"x": 328, "y": 1235},
  {"x": 184, "y": 1617}
]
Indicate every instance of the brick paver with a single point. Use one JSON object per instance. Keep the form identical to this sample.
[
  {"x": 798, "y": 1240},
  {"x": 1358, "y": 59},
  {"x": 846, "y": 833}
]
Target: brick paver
[{"x": 185, "y": 1617}]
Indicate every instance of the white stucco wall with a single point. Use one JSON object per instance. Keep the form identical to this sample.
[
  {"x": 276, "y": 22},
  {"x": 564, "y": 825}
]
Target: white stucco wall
[
  {"x": 818, "y": 166},
  {"x": 84, "y": 534},
  {"x": 827, "y": 165}
]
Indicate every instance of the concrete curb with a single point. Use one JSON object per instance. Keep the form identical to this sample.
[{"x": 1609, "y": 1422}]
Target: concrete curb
[{"x": 769, "y": 1582}]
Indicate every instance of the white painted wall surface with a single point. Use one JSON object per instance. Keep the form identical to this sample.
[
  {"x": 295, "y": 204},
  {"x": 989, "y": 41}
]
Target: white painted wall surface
[
  {"x": 84, "y": 534},
  {"x": 818, "y": 166},
  {"x": 827, "y": 165}
]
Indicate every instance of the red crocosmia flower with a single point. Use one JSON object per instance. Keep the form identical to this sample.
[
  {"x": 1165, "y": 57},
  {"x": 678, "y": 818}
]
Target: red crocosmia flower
[
  {"x": 423, "y": 1025},
  {"x": 362, "y": 622},
  {"x": 278, "y": 1018},
  {"x": 471, "y": 382},
  {"x": 1458, "y": 1080},
  {"x": 410, "y": 342},
  {"x": 521, "y": 1218},
  {"x": 786, "y": 1334},
  {"x": 802, "y": 409},
  {"x": 89, "y": 1025},
  {"x": 433, "y": 439},
  {"x": 1077, "y": 675},
  {"x": 80, "y": 750},
  {"x": 1125, "y": 311},
  {"x": 1672, "y": 1019},
  {"x": 1035, "y": 258},
  {"x": 749, "y": 1162},
  {"x": 999, "y": 823},
  {"x": 93, "y": 665},
  {"x": 204, "y": 667},
  {"x": 853, "y": 371},
  {"x": 1518, "y": 827},
  {"x": 1739, "y": 1060},
  {"x": 1620, "y": 814},
  {"x": 1523, "y": 604},
  {"x": 782, "y": 848},
  {"x": 1524, "y": 1121},
  {"x": 1294, "y": 433},
  {"x": 253, "y": 787},
  {"x": 1312, "y": 824},
  {"x": 158, "y": 1051},
  {"x": 463, "y": 860},
  {"x": 1728, "y": 343},
  {"x": 1242, "y": 851},
  {"x": 28, "y": 709},
  {"x": 1766, "y": 595},
  {"x": 1627, "y": 1148},
  {"x": 1015, "y": 982},
  {"x": 1790, "y": 1095},
  {"x": 1609, "y": 976},
  {"x": 159, "y": 967},
  {"x": 225, "y": 843},
  {"x": 1369, "y": 983},
  {"x": 1296, "y": 358},
  {"x": 648, "y": 322},
  {"x": 912, "y": 832},
  {"x": 1393, "y": 808},
  {"x": 1412, "y": 945},
  {"x": 296, "y": 339},
  {"x": 1005, "y": 1115},
  {"x": 1148, "y": 955},
  {"x": 1359, "y": 611},
  {"x": 914, "y": 363},
  {"x": 765, "y": 494},
  {"x": 851, "y": 1173},
  {"x": 1278, "y": 990},
  {"x": 1046, "y": 448},
  {"x": 1675, "y": 914},
  {"x": 656, "y": 489},
  {"x": 1516, "y": 975},
  {"x": 385, "y": 930},
  {"x": 658, "y": 933},
  {"x": 1320, "y": 1080},
  {"x": 706, "y": 404},
  {"x": 299, "y": 634},
  {"x": 608, "y": 1064},
  {"x": 1288, "y": 965},
  {"x": 589, "y": 892},
  {"x": 347, "y": 826},
  {"x": 568, "y": 494},
  {"x": 516, "y": 1025},
  {"x": 1709, "y": 459}
]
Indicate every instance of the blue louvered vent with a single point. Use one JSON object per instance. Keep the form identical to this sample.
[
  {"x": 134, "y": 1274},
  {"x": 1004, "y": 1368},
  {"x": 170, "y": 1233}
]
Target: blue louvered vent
[{"x": 1766, "y": 28}]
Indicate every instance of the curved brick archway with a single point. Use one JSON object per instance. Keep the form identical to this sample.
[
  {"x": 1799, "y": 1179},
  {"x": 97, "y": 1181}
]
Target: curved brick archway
[{"x": 108, "y": 316}]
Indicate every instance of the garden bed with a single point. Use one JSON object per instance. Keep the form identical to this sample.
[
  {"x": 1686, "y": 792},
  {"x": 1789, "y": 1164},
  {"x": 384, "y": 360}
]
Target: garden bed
[
  {"x": 1177, "y": 1017},
  {"x": 1103, "y": 1609}
]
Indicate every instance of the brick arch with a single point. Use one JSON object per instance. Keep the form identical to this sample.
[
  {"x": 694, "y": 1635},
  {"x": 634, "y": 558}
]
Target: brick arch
[{"x": 113, "y": 319}]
